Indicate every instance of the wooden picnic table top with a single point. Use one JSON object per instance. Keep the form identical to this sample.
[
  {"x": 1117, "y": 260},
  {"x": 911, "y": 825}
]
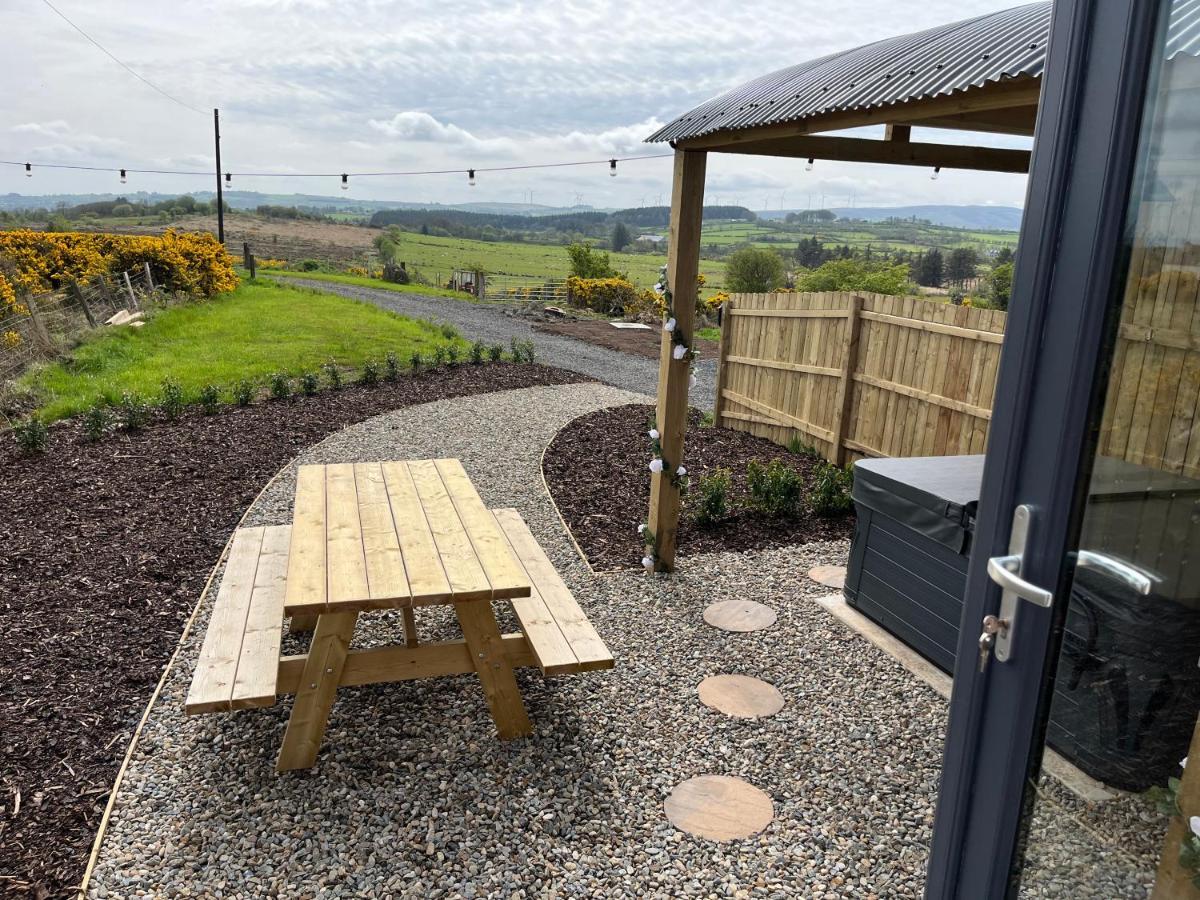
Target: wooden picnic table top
[{"x": 394, "y": 534}]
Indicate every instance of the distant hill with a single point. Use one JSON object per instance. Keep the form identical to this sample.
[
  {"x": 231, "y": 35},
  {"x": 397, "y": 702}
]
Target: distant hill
[{"x": 1000, "y": 218}]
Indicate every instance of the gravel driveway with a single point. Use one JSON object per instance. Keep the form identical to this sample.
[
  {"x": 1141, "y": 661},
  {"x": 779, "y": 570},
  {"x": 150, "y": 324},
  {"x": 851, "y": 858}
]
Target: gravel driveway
[
  {"x": 414, "y": 796},
  {"x": 488, "y": 322}
]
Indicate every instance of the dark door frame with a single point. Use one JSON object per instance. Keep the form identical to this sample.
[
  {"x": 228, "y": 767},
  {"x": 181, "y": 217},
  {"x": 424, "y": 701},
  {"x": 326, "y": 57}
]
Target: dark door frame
[{"x": 1057, "y": 348}]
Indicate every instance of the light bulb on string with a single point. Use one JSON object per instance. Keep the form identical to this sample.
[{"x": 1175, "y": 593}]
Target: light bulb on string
[
  {"x": 228, "y": 179},
  {"x": 809, "y": 166},
  {"x": 123, "y": 179},
  {"x": 471, "y": 177},
  {"x": 28, "y": 170},
  {"x": 612, "y": 168},
  {"x": 937, "y": 170},
  {"x": 345, "y": 182}
]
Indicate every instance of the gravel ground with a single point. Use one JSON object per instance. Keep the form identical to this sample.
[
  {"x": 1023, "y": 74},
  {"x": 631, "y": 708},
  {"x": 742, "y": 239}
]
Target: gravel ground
[
  {"x": 414, "y": 796},
  {"x": 488, "y": 322}
]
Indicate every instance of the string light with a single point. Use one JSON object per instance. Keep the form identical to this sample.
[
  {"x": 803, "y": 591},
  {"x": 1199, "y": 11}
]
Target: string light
[
  {"x": 937, "y": 170},
  {"x": 28, "y": 170},
  {"x": 123, "y": 179},
  {"x": 345, "y": 182},
  {"x": 612, "y": 168},
  {"x": 471, "y": 177},
  {"x": 228, "y": 179},
  {"x": 809, "y": 167}
]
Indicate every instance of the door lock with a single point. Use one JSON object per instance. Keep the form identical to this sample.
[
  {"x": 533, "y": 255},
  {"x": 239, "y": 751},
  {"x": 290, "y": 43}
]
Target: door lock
[{"x": 1006, "y": 572}]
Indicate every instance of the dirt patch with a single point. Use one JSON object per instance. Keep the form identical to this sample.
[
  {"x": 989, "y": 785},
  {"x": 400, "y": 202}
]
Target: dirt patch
[
  {"x": 640, "y": 342},
  {"x": 105, "y": 551},
  {"x": 596, "y": 468}
]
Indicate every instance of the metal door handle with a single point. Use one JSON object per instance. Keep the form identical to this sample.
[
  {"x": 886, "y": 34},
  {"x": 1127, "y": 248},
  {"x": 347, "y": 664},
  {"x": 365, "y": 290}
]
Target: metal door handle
[
  {"x": 1005, "y": 571},
  {"x": 1135, "y": 579}
]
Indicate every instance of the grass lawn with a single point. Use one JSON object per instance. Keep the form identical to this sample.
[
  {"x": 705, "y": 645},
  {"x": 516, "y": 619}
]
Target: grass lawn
[
  {"x": 363, "y": 281},
  {"x": 708, "y": 334},
  {"x": 257, "y": 329}
]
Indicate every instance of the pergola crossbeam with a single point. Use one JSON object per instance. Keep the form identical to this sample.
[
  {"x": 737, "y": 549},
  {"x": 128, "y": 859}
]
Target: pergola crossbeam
[{"x": 893, "y": 152}]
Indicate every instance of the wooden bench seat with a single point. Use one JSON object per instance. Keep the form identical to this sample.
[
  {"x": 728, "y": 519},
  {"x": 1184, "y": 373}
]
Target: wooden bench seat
[
  {"x": 238, "y": 666},
  {"x": 559, "y": 634}
]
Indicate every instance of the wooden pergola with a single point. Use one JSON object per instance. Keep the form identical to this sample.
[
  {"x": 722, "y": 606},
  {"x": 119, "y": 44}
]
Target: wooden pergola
[{"x": 981, "y": 75}]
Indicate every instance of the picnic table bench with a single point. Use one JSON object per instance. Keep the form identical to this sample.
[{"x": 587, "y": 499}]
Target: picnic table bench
[{"x": 378, "y": 536}]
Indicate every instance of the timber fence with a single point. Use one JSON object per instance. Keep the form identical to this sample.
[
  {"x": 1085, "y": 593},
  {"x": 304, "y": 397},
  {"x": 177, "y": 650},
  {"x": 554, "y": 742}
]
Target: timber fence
[
  {"x": 859, "y": 375},
  {"x": 42, "y": 327}
]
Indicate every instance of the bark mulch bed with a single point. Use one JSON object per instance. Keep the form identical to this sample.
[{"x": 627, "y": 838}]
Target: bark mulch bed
[
  {"x": 636, "y": 341},
  {"x": 105, "y": 549},
  {"x": 596, "y": 469}
]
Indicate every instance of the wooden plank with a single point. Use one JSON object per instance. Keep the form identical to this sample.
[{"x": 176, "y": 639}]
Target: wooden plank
[
  {"x": 895, "y": 153},
  {"x": 785, "y": 366},
  {"x": 258, "y": 663},
  {"x": 584, "y": 644},
  {"x": 307, "y": 582},
  {"x": 776, "y": 313},
  {"x": 503, "y": 570},
  {"x": 683, "y": 262},
  {"x": 316, "y": 692},
  {"x": 972, "y": 334},
  {"x": 211, "y": 689},
  {"x": 423, "y": 565},
  {"x": 849, "y": 355},
  {"x": 781, "y": 418},
  {"x": 464, "y": 572},
  {"x": 722, "y": 357},
  {"x": 346, "y": 560},
  {"x": 386, "y": 576}
]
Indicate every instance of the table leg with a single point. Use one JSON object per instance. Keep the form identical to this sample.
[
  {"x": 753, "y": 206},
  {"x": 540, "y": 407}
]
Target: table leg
[
  {"x": 410, "y": 627},
  {"x": 493, "y": 667},
  {"x": 318, "y": 688}
]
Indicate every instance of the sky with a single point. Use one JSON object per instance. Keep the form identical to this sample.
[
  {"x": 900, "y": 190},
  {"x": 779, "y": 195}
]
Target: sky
[{"x": 370, "y": 85}]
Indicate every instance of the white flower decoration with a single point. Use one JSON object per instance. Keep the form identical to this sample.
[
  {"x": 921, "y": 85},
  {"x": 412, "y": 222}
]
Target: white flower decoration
[
  {"x": 642, "y": 528},
  {"x": 658, "y": 288},
  {"x": 656, "y": 465},
  {"x": 669, "y": 325},
  {"x": 681, "y": 471},
  {"x": 1194, "y": 824},
  {"x": 679, "y": 352},
  {"x": 647, "y": 562},
  {"x": 692, "y": 380},
  {"x": 654, "y": 434},
  {"x": 1183, "y": 763}
]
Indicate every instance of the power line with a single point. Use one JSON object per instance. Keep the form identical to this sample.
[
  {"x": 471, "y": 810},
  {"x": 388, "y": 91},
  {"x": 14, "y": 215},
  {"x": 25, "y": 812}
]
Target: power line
[
  {"x": 110, "y": 55},
  {"x": 459, "y": 171}
]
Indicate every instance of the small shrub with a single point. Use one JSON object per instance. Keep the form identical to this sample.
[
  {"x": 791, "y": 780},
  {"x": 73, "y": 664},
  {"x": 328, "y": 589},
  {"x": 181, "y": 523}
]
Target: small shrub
[
  {"x": 243, "y": 392},
  {"x": 133, "y": 412},
  {"x": 332, "y": 374},
  {"x": 775, "y": 489},
  {"x": 449, "y": 332},
  {"x": 417, "y": 361},
  {"x": 440, "y": 355},
  {"x": 707, "y": 420},
  {"x": 310, "y": 382},
  {"x": 210, "y": 399},
  {"x": 391, "y": 365},
  {"x": 31, "y": 435},
  {"x": 712, "y": 493},
  {"x": 370, "y": 373},
  {"x": 452, "y": 353},
  {"x": 281, "y": 385},
  {"x": 309, "y": 265},
  {"x": 478, "y": 349},
  {"x": 798, "y": 446},
  {"x": 522, "y": 351},
  {"x": 96, "y": 421},
  {"x": 830, "y": 494},
  {"x": 495, "y": 353},
  {"x": 172, "y": 400}
]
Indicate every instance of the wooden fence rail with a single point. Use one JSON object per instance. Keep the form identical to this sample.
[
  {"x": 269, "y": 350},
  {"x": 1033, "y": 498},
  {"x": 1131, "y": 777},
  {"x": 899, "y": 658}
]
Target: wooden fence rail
[{"x": 859, "y": 374}]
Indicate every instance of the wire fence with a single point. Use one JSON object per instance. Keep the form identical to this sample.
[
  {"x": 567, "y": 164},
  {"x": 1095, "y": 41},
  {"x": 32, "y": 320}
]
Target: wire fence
[
  {"x": 520, "y": 288},
  {"x": 42, "y": 327}
]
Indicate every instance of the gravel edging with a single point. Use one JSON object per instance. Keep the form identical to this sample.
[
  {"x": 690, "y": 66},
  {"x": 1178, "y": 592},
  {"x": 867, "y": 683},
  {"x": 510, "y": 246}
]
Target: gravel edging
[{"x": 487, "y": 321}]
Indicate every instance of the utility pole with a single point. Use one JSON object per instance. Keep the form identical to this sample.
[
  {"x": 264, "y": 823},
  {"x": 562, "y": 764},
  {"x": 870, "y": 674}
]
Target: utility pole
[{"x": 220, "y": 195}]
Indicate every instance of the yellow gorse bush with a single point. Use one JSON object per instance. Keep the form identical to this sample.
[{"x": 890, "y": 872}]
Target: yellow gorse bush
[{"x": 38, "y": 261}]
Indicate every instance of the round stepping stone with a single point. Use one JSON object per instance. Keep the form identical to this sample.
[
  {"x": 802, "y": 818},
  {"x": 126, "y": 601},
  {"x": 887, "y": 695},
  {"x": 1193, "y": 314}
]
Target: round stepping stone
[
  {"x": 739, "y": 615},
  {"x": 830, "y": 576},
  {"x": 740, "y": 696},
  {"x": 719, "y": 807}
]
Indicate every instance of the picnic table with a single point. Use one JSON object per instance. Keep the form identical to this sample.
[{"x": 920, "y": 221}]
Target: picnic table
[{"x": 381, "y": 536}]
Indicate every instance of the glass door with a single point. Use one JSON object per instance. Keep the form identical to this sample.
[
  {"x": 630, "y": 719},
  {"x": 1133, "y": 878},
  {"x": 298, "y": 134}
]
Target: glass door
[{"x": 1065, "y": 770}]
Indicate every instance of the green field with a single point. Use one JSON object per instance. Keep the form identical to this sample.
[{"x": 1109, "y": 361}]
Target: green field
[
  {"x": 257, "y": 329},
  {"x": 907, "y": 236},
  {"x": 363, "y": 281},
  {"x": 437, "y": 257}
]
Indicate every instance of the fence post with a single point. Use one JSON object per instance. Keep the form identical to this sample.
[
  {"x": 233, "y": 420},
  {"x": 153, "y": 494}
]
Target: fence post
[
  {"x": 722, "y": 352},
  {"x": 149, "y": 277},
  {"x": 129, "y": 287},
  {"x": 845, "y": 394},
  {"x": 77, "y": 293},
  {"x": 106, "y": 291},
  {"x": 39, "y": 327}
]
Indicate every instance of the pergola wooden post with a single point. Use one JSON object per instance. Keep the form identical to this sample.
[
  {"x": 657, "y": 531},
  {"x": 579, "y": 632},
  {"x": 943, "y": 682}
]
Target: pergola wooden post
[{"x": 683, "y": 266}]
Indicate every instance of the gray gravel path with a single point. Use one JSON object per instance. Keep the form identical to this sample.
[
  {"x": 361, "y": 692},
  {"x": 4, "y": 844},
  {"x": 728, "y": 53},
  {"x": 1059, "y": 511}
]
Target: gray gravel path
[
  {"x": 414, "y": 796},
  {"x": 488, "y": 322}
]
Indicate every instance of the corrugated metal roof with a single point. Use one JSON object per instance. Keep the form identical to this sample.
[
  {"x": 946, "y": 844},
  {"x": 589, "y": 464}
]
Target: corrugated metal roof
[{"x": 997, "y": 47}]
